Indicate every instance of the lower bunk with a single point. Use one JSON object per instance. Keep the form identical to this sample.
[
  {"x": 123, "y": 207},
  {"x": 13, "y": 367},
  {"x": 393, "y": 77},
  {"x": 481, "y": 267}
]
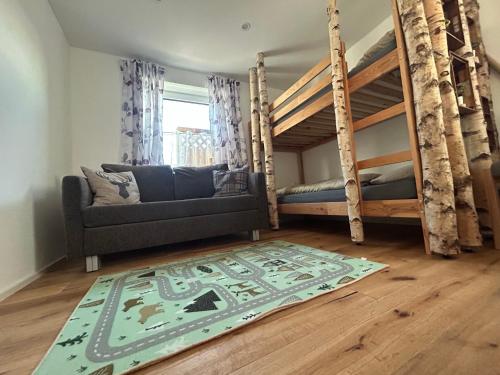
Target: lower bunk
[{"x": 396, "y": 199}]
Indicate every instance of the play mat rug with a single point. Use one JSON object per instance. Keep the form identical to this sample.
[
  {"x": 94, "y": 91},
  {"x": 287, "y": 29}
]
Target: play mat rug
[{"x": 131, "y": 319}]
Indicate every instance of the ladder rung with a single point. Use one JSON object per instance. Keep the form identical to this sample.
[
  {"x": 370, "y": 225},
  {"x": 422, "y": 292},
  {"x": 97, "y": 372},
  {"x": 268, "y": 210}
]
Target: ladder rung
[
  {"x": 379, "y": 117},
  {"x": 380, "y": 161}
]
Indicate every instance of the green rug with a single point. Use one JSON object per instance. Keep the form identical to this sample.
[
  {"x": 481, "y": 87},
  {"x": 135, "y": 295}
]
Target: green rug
[{"x": 135, "y": 318}]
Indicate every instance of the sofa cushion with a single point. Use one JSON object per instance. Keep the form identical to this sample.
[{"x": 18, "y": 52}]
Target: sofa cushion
[
  {"x": 154, "y": 211},
  {"x": 192, "y": 182},
  {"x": 156, "y": 183}
]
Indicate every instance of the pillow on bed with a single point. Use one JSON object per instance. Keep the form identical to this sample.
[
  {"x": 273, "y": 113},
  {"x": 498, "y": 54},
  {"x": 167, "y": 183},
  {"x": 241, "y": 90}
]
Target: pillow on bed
[
  {"x": 332, "y": 184},
  {"x": 385, "y": 45},
  {"x": 397, "y": 174}
]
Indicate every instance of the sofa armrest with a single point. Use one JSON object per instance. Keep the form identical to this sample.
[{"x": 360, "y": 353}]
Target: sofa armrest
[
  {"x": 257, "y": 187},
  {"x": 76, "y": 195}
]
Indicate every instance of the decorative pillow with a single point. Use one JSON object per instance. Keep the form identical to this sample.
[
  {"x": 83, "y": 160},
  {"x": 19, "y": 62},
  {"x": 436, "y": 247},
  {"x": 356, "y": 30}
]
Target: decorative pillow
[
  {"x": 156, "y": 183},
  {"x": 195, "y": 182},
  {"x": 112, "y": 188},
  {"x": 397, "y": 174},
  {"x": 227, "y": 183}
]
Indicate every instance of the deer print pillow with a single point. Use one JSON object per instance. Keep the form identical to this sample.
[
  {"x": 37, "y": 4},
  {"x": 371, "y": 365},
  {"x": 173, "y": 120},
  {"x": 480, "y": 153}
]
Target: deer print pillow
[{"x": 112, "y": 188}]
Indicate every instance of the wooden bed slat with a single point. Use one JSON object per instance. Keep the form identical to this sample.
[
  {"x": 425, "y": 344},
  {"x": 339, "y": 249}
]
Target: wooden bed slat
[
  {"x": 318, "y": 105},
  {"x": 319, "y": 143},
  {"x": 398, "y": 208},
  {"x": 382, "y": 66},
  {"x": 380, "y": 95},
  {"x": 402, "y": 208},
  {"x": 379, "y": 117},
  {"x": 301, "y": 99},
  {"x": 304, "y": 80},
  {"x": 278, "y": 148},
  {"x": 380, "y": 161},
  {"x": 324, "y": 208}
]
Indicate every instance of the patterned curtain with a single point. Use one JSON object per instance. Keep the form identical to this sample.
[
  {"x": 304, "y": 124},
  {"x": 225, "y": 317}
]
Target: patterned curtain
[
  {"x": 142, "y": 113},
  {"x": 226, "y": 123}
]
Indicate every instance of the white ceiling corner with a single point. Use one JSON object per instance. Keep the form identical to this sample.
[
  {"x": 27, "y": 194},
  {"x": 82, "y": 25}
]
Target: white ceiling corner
[{"x": 206, "y": 35}]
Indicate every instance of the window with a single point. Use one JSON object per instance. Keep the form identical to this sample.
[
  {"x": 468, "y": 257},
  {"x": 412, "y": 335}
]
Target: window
[{"x": 186, "y": 128}]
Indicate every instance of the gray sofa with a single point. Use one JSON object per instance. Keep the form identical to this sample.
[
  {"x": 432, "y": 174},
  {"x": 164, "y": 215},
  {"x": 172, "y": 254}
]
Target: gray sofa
[{"x": 177, "y": 205}]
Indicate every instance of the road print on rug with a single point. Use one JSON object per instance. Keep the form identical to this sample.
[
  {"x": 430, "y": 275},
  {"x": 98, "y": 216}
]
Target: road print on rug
[{"x": 138, "y": 317}]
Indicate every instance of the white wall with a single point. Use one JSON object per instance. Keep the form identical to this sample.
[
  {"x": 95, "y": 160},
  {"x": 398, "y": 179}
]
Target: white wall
[
  {"x": 95, "y": 98},
  {"x": 34, "y": 141},
  {"x": 95, "y": 110}
]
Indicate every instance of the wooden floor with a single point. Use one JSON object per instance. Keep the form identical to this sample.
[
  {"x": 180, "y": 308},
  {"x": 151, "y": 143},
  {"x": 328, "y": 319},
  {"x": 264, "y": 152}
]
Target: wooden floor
[{"x": 425, "y": 315}]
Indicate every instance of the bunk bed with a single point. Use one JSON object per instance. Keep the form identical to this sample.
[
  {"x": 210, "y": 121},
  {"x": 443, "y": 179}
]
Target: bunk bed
[
  {"x": 330, "y": 102},
  {"x": 377, "y": 90}
]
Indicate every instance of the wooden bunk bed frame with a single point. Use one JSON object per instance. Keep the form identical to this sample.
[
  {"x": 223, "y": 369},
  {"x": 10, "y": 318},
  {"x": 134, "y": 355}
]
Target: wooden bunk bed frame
[{"x": 373, "y": 95}]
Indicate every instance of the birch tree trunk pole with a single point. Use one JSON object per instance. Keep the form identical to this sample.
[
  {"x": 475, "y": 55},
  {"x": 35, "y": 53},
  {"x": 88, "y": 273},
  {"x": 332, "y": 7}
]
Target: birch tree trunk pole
[
  {"x": 342, "y": 123},
  {"x": 474, "y": 129},
  {"x": 265, "y": 130},
  {"x": 254, "y": 109},
  {"x": 467, "y": 219},
  {"x": 439, "y": 198},
  {"x": 483, "y": 74},
  {"x": 474, "y": 125}
]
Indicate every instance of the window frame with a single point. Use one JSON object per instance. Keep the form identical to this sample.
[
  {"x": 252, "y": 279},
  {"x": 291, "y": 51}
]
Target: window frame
[{"x": 186, "y": 94}]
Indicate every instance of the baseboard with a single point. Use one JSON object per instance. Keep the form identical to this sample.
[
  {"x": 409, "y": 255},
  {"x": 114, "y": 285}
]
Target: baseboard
[{"x": 27, "y": 280}]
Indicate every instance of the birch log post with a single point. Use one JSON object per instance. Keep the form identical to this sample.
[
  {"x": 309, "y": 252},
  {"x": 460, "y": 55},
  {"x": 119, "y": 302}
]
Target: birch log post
[
  {"x": 439, "y": 198},
  {"x": 467, "y": 220},
  {"x": 265, "y": 132},
  {"x": 483, "y": 73},
  {"x": 254, "y": 110},
  {"x": 342, "y": 123},
  {"x": 474, "y": 126},
  {"x": 474, "y": 130}
]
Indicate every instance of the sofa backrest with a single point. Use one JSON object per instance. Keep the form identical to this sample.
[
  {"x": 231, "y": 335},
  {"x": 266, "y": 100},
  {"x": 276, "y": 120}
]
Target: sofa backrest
[
  {"x": 192, "y": 183},
  {"x": 156, "y": 183}
]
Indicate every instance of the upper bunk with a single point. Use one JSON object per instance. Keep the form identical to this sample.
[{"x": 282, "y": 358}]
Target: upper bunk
[{"x": 303, "y": 116}]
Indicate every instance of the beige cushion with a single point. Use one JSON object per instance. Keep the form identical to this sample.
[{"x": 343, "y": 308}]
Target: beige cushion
[
  {"x": 112, "y": 188},
  {"x": 333, "y": 184},
  {"x": 400, "y": 173}
]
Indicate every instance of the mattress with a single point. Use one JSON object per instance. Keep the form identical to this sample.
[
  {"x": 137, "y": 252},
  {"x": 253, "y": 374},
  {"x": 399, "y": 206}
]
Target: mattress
[{"x": 402, "y": 189}]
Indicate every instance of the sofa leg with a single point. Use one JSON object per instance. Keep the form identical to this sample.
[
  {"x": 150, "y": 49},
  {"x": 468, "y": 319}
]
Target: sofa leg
[
  {"x": 92, "y": 263},
  {"x": 254, "y": 235}
]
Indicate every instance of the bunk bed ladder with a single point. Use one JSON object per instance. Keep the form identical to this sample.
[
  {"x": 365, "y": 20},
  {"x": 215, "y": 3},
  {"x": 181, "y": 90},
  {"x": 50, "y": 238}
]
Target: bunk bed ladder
[{"x": 410, "y": 119}]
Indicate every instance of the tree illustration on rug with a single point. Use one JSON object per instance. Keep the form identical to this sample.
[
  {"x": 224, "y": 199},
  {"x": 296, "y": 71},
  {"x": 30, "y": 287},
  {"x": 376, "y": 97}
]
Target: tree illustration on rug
[{"x": 205, "y": 302}]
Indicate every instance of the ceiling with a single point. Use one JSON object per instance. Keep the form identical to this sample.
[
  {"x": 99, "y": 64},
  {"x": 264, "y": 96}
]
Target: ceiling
[{"x": 206, "y": 35}]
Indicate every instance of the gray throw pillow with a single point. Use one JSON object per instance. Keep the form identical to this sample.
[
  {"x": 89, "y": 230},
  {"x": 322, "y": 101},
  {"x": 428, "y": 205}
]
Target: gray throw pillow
[
  {"x": 112, "y": 188},
  {"x": 195, "y": 182},
  {"x": 228, "y": 183},
  {"x": 397, "y": 174}
]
